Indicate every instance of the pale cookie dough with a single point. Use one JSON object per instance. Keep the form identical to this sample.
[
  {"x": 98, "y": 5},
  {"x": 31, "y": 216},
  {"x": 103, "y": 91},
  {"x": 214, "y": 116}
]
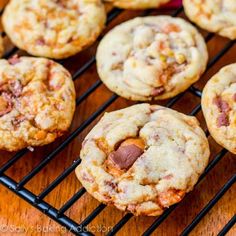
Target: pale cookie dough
[
  {"x": 143, "y": 158},
  {"x": 219, "y": 107},
  {"x": 137, "y": 4},
  {"x": 217, "y": 16},
  {"x": 154, "y": 57},
  {"x": 37, "y": 102},
  {"x": 53, "y": 28}
]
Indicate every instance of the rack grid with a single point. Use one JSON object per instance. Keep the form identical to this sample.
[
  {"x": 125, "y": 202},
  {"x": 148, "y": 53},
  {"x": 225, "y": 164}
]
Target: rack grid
[{"x": 59, "y": 214}]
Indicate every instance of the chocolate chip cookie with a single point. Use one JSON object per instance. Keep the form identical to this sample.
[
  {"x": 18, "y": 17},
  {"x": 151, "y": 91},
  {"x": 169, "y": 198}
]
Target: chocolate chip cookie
[
  {"x": 143, "y": 158},
  {"x": 137, "y": 4},
  {"x": 55, "y": 29},
  {"x": 219, "y": 107},
  {"x": 37, "y": 102},
  {"x": 217, "y": 16},
  {"x": 155, "y": 57}
]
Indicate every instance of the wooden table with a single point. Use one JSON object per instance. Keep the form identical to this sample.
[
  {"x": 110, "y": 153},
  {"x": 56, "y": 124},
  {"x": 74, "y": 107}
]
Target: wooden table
[{"x": 17, "y": 215}]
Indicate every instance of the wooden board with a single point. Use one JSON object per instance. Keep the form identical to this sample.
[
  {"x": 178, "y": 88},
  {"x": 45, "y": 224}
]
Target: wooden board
[{"x": 17, "y": 215}]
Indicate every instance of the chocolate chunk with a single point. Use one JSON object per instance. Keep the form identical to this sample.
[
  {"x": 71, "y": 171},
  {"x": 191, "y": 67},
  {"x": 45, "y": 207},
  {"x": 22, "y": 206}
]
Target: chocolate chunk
[
  {"x": 158, "y": 91},
  {"x": 14, "y": 60},
  {"x": 223, "y": 120},
  {"x": 125, "y": 156}
]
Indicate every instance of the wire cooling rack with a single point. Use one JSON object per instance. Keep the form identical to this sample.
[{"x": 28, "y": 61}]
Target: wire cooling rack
[{"x": 18, "y": 187}]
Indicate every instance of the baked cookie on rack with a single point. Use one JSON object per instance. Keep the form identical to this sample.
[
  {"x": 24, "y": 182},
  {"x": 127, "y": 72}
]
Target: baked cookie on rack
[
  {"x": 143, "y": 158},
  {"x": 54, "y": 29},
  {"x": 37, "y": 102},
  {"x": 1, "y": 46},
  {"x": 218, "y": 16},
  {"x": 137, "y": 4},
  {"x": 155, "y": 57},
  {"x": 219, "y": 107}
]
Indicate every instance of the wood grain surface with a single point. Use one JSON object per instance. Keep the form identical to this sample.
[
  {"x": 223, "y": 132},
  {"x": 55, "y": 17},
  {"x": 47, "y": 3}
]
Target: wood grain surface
[{"x": 19, "y": 218}]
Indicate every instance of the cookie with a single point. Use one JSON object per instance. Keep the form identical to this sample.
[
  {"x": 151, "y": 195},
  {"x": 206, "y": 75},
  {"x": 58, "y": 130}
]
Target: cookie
[
  {"x": 219, "y": 107},
  {"x": 155, "y": 57},
  {"x": 143, "y": 158},
  {"x": 37, "y": 102},
  {"x": 218, "y": 16},
  {"x": 54, "y": 29},
  {"x": 137, "y": 4},
  {"x": 1, "y": 46}
]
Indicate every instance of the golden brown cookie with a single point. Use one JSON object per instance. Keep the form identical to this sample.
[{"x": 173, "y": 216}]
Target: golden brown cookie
[
  {"x": 55, "y": 29},
  {"x": 143, "y": 158},
  {"x": 155, "y": 57},
  {"x": 37, "y": 102},
  {"x": 218, "y": 16},
  {"x": 219, "y": 107}
]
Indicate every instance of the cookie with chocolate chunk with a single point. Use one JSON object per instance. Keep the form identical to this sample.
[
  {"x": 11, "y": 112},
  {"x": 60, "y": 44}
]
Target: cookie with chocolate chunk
[
  {"x": 54, "y": 29},
  {"x": 219, "y": 107},
  {"x": 143, "y": 158},
  {"x": 37, "y": 102},
  {"x": 218, "y": 16},
  {"x": 137, "y": 4},
  {"x": 154, "y": 57}
]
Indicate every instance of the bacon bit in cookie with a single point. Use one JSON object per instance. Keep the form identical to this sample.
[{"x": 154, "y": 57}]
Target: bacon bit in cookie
[
  {"x": 222, "y": 105},
  {"x": 170, "y": 197},
  {"x": 87, "y": 177},
  {"x": 222, "y": 120},
  {"x": 6, "y": 104},
  {"x": 168, "y": 177},
  {"x": 18, "y": 119},
  {"x": 15, "y": 87},
  {"x": 110, "y": 184},
  {"x": 40, "y": 42},
  {"x": 171, "y": 28},
  {"x": 234, "y": 97},
  {"x": 14, "y": 60},
  {"x": 158, "y": 91},
  {"x": 224, "y": 108}
]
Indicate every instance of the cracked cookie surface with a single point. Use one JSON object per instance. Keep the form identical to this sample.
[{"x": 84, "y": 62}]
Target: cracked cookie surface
[
  {"x": 219, "y": 107},
  {"x": 218, "y": 16},
  {"x": 143, "y": 158},
  {"x": 137, "y": 4},
  {"x": 37, "y": 102},
  {"x": 154, "y": 57},
  {"x": 53, "y": 28}
]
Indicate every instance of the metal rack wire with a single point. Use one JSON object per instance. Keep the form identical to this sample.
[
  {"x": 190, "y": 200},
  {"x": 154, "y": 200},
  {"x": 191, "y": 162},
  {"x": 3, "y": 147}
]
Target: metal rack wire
[{"x": 58, "y": 214}]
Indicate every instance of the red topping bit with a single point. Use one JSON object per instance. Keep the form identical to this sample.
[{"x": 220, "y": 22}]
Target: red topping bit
[
  {"x": 168, "y": 177},
  {"x": 234, "y": 97},
  {"x": 222, "y": 105},
  {"x": 223, "y": 120},
  {"x": 15, "y": 87},
  {"x": 40, "y": 42},
  {"x": 17, "y": 120},
  {"x": 158, "y": 91},
  {"x": 87, "y": 177},
  {"x": 14, "y": 60}
]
